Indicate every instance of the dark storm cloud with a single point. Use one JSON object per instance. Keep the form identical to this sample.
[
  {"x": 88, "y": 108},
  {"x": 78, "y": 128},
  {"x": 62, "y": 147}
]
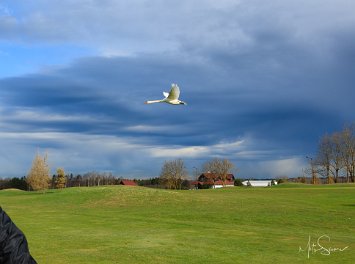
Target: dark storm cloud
[
  {"x": 263, "y": 81},
  {"x": 111, "y": 91}
]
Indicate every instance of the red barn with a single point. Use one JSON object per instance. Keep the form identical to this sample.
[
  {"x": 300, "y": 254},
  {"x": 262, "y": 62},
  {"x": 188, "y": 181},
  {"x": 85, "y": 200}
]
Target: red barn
[{"x": 128, "y": 182}]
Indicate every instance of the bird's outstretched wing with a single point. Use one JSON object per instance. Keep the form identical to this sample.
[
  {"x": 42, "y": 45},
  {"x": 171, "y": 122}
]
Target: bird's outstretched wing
[
  {"x": 165, "y": 94},
  {"x": 174, "y": 92}
]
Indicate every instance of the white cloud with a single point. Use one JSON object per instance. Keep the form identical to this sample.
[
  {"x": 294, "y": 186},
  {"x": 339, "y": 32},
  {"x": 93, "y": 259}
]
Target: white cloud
[
  {"x": 125, "y": 28},
  {"x": 220, "y": 149},
  {"x": 36, "y": 115},
  {"x": 179, "y": 152},
  {"x": 149, "y": 128},
  {"x": 226, "y": 146}
]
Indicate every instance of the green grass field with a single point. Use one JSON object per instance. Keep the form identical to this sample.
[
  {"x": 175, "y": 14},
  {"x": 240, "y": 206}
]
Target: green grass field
[{"x": 120, "y": 224}]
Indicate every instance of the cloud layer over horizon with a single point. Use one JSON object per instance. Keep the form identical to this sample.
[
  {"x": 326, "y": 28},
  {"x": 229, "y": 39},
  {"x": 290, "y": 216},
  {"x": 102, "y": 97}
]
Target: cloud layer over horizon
[{"x": 263, "y": 82}]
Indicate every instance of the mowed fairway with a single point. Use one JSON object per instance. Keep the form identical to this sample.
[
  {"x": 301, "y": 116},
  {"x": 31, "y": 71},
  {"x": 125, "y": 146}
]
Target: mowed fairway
[{"x": 120, "y": 224}]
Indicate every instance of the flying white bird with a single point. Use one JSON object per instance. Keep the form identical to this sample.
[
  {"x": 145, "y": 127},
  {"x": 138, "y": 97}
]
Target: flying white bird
[{"x": 171, "y": 98}]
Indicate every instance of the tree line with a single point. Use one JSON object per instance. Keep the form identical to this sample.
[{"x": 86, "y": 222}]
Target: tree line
[
  {"x": 15, "y": 183},
  {"x": 58, "y": 181},
  {"x": 335, "y": 157},
  {"x": 174, "y": 175},
  {"x": 88, "y": 179}
]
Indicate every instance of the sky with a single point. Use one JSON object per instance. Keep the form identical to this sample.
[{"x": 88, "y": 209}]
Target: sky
[{"x": 263, "y": 80}]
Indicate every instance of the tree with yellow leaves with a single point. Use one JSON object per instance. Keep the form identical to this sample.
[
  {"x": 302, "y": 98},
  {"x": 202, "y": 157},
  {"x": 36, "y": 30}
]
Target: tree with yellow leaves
[
  {"x": 38, "y": 177},
  {"x": 61, "y": 179}
]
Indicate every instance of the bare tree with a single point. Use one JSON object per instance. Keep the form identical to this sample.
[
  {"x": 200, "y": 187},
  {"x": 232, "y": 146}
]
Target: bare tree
[
  {"x": 313, "y": 171},
  {"x": 324, "y": 157},
  {"x": 173, "y": 174},
  {"x": 336, "y": 155},
  {"x": 219, "y": 167},
  {"x": 348, "y": 150},
  {"x": 38, "y": 177},
  {"x": 196, "y": 172},
  {"x": 337, "y": 161}
]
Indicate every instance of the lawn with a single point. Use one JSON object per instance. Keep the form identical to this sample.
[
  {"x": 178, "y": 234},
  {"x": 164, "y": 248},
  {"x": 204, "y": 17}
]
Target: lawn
[{"x": 121, "y": 224}]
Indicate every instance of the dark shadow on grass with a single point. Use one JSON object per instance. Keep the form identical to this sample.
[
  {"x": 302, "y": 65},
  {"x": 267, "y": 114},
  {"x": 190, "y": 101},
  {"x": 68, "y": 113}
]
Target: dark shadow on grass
[
  {"x": 42, "y": 193},
  {"x": 349, "y": 205}
]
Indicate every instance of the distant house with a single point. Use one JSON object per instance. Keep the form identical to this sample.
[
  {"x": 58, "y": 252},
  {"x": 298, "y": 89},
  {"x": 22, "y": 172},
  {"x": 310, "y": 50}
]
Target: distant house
[
  {"x": 259, "y": 183},
  {"x": 211, "y": 180},
  {"x": 128, "y": 182}
]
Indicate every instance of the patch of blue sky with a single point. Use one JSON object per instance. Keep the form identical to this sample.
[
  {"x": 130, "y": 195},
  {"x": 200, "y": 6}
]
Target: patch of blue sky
[{"x": 20, "y": 59}]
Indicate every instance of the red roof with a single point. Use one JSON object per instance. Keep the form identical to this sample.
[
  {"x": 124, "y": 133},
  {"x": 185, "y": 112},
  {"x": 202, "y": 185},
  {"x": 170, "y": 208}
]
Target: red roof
[
  {"x": 128, "y": 182},
  {"x": 219, "y": 182},
  {"x": 195, "y": 182}
]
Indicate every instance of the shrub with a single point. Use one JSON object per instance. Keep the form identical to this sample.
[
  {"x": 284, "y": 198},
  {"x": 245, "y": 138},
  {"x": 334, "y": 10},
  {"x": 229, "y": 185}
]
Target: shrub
[{"x": 238, "y": 182}]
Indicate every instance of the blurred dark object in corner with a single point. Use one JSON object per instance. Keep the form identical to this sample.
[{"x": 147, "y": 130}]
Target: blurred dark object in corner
[{"x": 13, "y": 243}]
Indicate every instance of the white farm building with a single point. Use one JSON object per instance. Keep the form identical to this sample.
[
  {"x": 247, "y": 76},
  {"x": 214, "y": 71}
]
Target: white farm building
[{"x": 259, "y": 183}]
